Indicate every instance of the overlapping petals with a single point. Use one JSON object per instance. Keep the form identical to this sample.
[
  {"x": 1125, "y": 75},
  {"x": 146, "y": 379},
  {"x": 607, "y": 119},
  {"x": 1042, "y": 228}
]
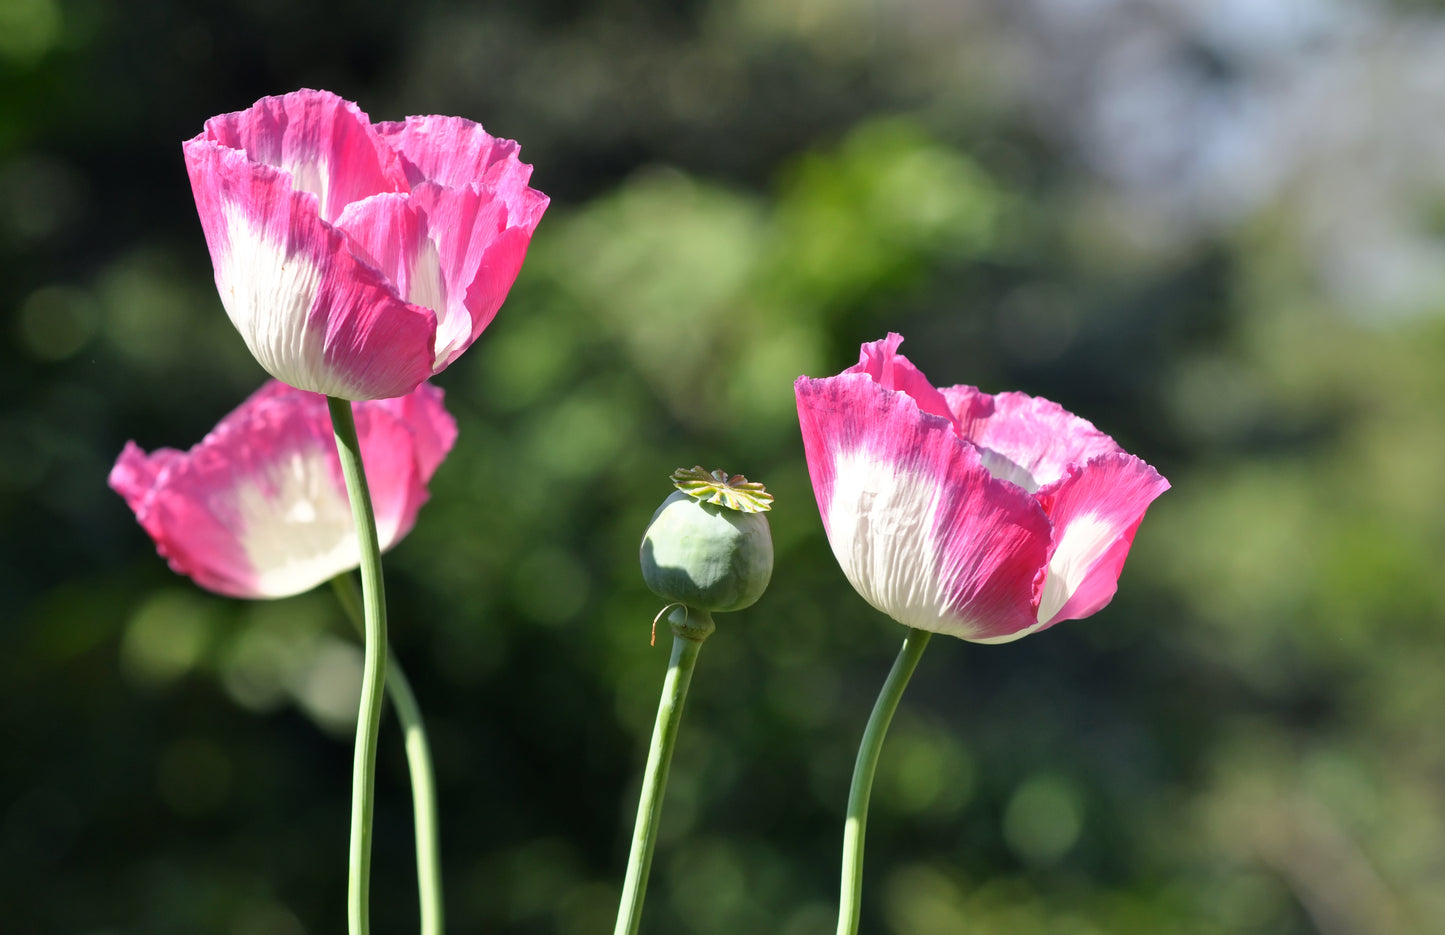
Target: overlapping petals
[
  {"x": 259, "y": 507},
  {"x": 357, "y": 260},
  {"x": 985, "y": 517}
]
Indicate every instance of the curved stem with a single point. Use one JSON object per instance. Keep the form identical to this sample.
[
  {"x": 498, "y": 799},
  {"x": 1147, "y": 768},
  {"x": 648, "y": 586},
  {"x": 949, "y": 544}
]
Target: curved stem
[
  {"x": 686, "y": 642},
  {"x": 368, "y": 720},
  {"x": 419, "y": 765},
  {"x": 854, "y": 829}
]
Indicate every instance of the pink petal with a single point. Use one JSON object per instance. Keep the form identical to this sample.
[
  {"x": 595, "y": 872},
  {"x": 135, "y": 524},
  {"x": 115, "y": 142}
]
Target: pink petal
[
  {"x": 463, "y": 224},
  {"x": 1030, "y": 435},
  {"x": 398, "y": 490},
  {"x": 387, "y": 232},
  {"x": 259, "y": 508},
  {"x": 891, "y": 370},
  {"x": 449, "y": 250},
  {"x": 433, "y": 429},
  {"x": 192, "y": 538},
  {"x": 918, "y": 525},
  {"x": 480, "y": 214},
  {"x": 1095, "y": 510},
  {"x": 324, "y": 143},
  {"x": 455, "y": 152},
  {"x": 500, "y": 264},
  {"x": 418, "y": 273},
  {"x": 313, "y": 314}
]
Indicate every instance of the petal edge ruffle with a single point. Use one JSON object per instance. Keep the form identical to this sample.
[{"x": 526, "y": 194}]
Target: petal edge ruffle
[{"x": 324, "y": 143}]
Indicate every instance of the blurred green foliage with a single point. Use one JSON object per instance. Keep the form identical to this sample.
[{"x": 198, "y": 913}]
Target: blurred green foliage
[{"x": 1246, "y": 741}]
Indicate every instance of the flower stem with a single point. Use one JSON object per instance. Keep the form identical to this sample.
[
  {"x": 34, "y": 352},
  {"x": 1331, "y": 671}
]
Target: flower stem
[
  {"x": 695, "y": 626},
  {"x": 419, "y": 765},
  {"x": 373, "y": 678},
  {"x": 855, "y": 827}
]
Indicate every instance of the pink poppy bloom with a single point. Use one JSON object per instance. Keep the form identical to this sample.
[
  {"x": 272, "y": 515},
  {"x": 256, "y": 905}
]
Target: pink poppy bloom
[
  {"x": 259, "y": 508},
  {"x": 984, "y": 517},
  {"x": 358, "y": 259}
]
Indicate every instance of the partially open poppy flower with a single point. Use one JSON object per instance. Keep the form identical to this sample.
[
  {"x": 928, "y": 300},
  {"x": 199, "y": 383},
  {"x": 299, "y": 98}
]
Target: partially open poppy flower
[
  {"x": 356, "y": 259},
  {"x": 259, "y": 507},
  {"x": 984, "y": 517}
]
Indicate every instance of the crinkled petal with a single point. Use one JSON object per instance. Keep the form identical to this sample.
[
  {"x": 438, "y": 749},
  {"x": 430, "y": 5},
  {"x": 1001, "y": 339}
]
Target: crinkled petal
[
  {"x": 481, "y": 214},
  {"x": 918, "y": 525},
  {"x": 500, "y": 263},
  {"x": 481, "y": 239},
  {"x": 463, "y": 225},
  {"x": 433, "y": 429},
  {"x": 411, "y": 280},
  {"x": 456, "y": 153},
  {"x": 259, "y": 507},
  {"x": 312, "y": 313},
  {"x": 190, "y": 536},
  {"x": 1033, "y": 435},
  {"x": 324, "y": 143},
  {"x": 891, "y": 370},
  {"x": 1095, "y": 510},
  {"x": 388, "y": 232},
  {"x": 388, "y": 451},
  {"x": 449, "y": 250}
]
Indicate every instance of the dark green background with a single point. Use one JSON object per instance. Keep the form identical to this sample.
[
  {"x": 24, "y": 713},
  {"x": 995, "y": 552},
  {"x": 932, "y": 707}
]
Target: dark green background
[{"x": 1248, "y": 740}]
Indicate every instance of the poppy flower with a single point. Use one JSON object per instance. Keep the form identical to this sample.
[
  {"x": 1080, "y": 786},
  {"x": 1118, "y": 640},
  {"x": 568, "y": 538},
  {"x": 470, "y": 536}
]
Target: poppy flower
[
  {"x": 358, "y": 259},
  {"x": 987, "y": 517},
  {"x": 259, "y": 507}
]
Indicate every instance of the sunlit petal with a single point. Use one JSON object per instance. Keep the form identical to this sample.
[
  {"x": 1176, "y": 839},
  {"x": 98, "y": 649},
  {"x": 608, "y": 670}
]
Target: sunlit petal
[
  {"x": 358, "y": 260},
  {"x": 986, "y": 517},
  {"x": 259, "y": 508}
]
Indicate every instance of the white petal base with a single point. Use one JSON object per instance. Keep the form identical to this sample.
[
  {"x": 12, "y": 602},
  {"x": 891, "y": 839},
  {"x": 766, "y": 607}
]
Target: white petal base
[
  {"x": 879, "y": 523},
  {"x": 268, "y": 296},
  {"x": 297, "y": 525},
  {"x": 1085, "y": 540}
]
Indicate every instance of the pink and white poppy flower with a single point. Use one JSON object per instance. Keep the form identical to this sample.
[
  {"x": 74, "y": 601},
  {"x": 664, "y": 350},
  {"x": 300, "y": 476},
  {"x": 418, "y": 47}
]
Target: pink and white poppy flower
[
  {"x": 259, "y": 507},
  {"x": 359, "y": 259},
  {"x": 984, "y": 517}
]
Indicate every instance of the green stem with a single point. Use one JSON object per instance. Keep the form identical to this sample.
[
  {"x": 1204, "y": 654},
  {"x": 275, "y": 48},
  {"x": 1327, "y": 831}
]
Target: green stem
[
  {"x": 373, "y": 676},
  {"x": 851, "y": 893},
  {"x": 419, "y": 764},
  {"x": 687, "y": 641}
]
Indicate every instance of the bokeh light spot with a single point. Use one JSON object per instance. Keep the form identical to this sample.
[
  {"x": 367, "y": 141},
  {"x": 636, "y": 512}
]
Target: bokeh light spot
[
  {"x": 167, "y": 636},
  {"x": 28, "y": 29},
  {"x": 1043, "y": 819},
  {"x": 56, "y": 321}
]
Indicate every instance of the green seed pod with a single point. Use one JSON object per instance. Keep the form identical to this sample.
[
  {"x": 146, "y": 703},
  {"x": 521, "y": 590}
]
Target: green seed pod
[{"x": 708, "y": 555}]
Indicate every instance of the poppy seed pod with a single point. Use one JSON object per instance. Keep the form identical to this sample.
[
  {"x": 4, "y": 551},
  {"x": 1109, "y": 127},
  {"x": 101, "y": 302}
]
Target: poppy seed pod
[{"x": 709, "y": 547}]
